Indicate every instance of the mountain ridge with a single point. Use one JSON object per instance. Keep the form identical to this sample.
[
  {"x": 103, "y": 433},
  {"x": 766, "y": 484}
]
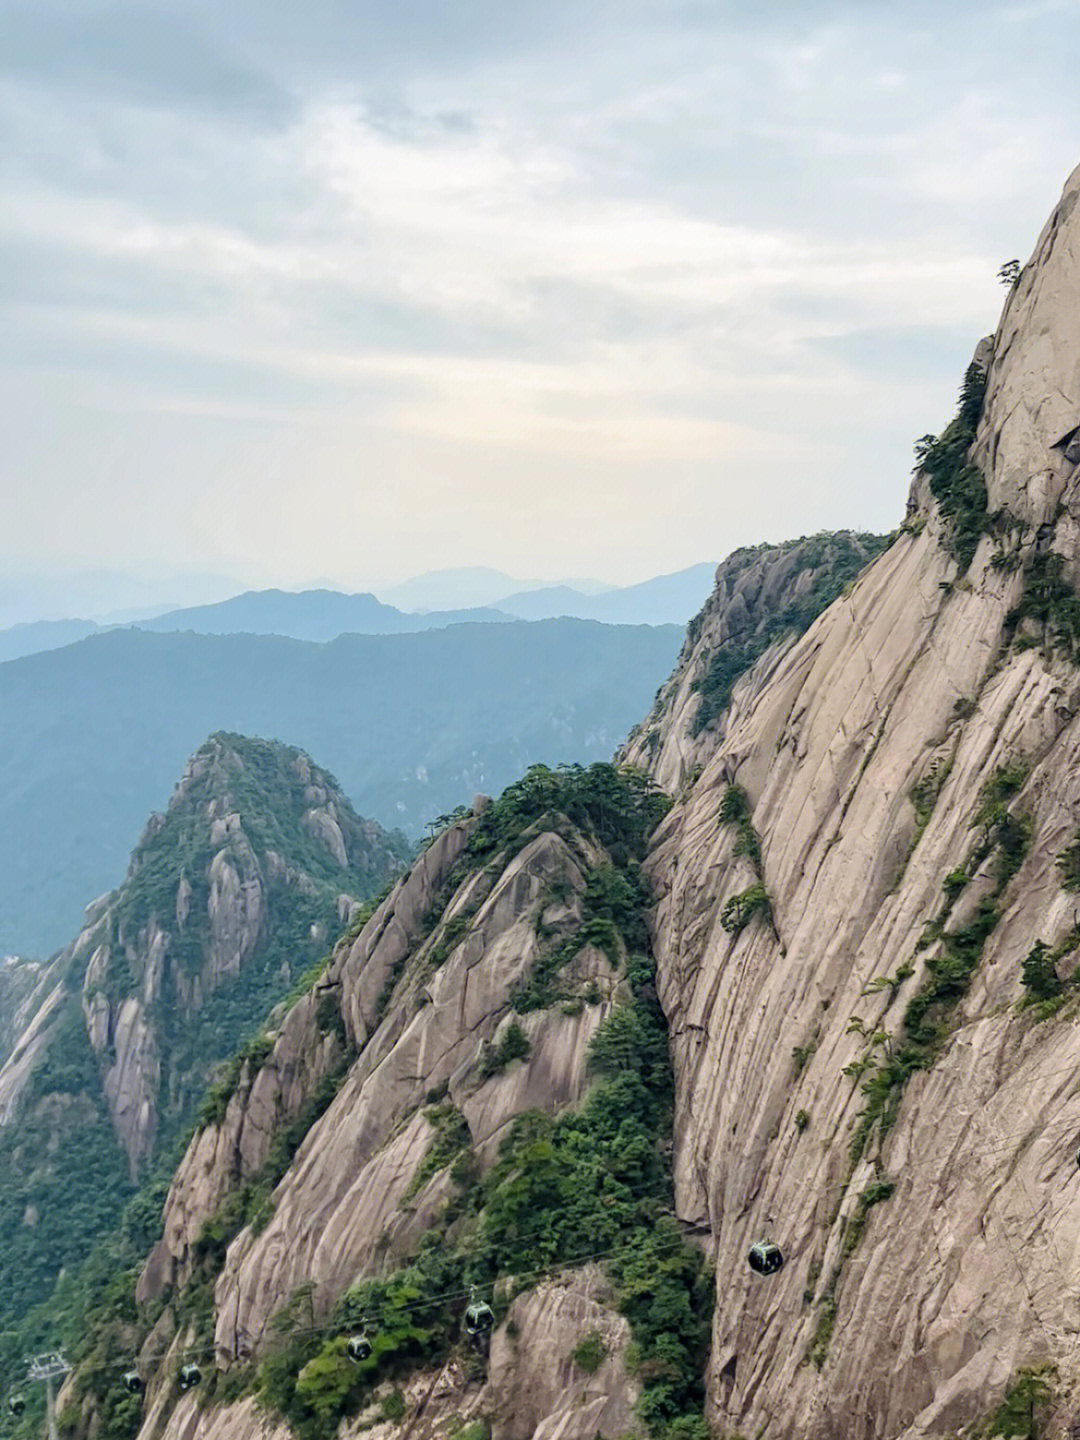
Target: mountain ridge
[
  {"x": 230, "y": 895},
  {"x": 322, "y": 614},
  {"x": 97, "y": 732},
  {"x": 813, "y": 1006}
]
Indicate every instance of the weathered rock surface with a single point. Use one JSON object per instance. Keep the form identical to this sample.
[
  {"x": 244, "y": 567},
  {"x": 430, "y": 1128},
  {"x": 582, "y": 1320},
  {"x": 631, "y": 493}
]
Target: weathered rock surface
[
  {"x": 18, "y": 980},
  {"x": 224, "y": 1154},
  {"x": 969, "y": 1270},
  {"x": 32, "y": 1028},
  {"x": 536, "y": 1390},
  {"x": 341, "y": 1207},
  {"x": 533, "y": 1390},
  {"x": 426, "y": 992}
]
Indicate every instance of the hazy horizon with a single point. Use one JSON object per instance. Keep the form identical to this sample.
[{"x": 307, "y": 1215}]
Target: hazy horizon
[
  {"x": 93, "y": 596},
  {"x": 343, "y": 295}
]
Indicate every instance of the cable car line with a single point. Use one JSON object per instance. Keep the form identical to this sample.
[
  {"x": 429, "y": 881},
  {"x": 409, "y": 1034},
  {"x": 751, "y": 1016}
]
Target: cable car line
[{"x": 330, "y": 1329}]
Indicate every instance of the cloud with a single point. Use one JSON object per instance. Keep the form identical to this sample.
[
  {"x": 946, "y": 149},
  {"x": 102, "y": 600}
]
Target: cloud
[
  {"x": 470, "y": 248},
  {"x": 152, "y": 57}
]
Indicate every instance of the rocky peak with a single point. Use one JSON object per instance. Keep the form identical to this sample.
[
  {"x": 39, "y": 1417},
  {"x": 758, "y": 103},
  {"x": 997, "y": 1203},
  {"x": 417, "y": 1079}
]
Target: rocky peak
[
  {"x": 764, "y": 598},
  {"x": 1027, "y": 439},
  {"x": 231, "y": 895},
  {"x": 253, "y": 827},
  {"x": 866, "y": 942}
]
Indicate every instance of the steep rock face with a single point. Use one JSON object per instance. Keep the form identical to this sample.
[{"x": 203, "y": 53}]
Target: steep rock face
[
  {"x": 31, "y": 1021},
  {"x": 235, "y": 1148},
  {"x": 341, "y": 1207},
  {"x": 536, "y": 1391},
  {"x": 910, "y": 771},
  {"x": 763, "y": 599},
  {"x": 18, "y": 980},
  {"x": 534, "y": 1388},
  {"x": 192, "y": 923}
]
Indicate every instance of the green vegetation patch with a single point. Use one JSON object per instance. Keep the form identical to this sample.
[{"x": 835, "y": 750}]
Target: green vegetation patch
[
  {"x": 1023, "y": 1409},
  {"x": 1038, "y": 973},
  {"x": 47, "y": 1221},
  {"x": 924, "y": 793},
  {"x": 818, "y": 1351},
  {"x": 612, "y": 921},
  {"x": 513, "y": 1045},
  {"x": 855, "y": 1229},
  {"x": 1045, "y": 992},
  {"x": 948, "y": 973},
  {"x": 1050, "y": 603},
  {"x": 451, "y": 1137},
  {"x": 619, "y": 805},
  {"x": 1068, "y": 864},
  {"x": 735, "y": 810},
  {"x": 956, "y": 484},
  {"x": 741, "y": 909},
  {"x": 590, "y": 1352}
]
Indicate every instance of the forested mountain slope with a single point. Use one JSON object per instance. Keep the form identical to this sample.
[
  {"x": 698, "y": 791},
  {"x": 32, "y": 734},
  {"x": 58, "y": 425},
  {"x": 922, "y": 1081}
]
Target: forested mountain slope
[
  {"x": 476, "y": 1092},
  {"x": 231, "y": 895}
]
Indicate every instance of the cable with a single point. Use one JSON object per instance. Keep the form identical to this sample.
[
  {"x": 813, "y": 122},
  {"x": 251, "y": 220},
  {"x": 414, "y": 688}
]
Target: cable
[{"x": 339, "y": 1327}]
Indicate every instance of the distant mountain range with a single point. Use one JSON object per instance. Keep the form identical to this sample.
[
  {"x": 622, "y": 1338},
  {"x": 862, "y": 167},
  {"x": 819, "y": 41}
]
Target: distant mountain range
[
  {"x": 324, "y": 614},
  {"x": 92, "y": 735},
  {"x": 473, "y": 585},
  {"x": 38, "y": 635},
  {"x": 664, "y": 600},
  {"x": 310, "y": 615}
]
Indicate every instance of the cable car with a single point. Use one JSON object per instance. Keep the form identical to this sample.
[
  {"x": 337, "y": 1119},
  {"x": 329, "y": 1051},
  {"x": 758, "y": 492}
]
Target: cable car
[
  {"x": 133, "y": 1381},
  {"x": 189, "y": 1375},
  {"x": 765, "y": 1258},
  {"x": 358, "y": 1347},
  {"x": 16, "y": 1404},
  {"x": 479, "y": 1319}
]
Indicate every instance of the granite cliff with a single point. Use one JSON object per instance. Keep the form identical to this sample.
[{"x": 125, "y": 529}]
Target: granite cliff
[{"x": 866, "y": 936}]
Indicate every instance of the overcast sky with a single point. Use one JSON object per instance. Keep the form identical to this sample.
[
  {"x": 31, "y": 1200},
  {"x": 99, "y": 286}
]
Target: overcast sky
[{"x": 344, "y": 291}]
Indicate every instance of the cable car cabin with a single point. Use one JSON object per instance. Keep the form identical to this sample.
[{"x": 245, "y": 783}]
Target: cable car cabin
[
  {"x": 189, "y": 1375},
  {"x": 765, "y": 1258},
  {"x": 479, "y": 1320},
  {"x": 358, "y": 1347},
  {"x": 133, "y": 1381},
  {"x": 16, "y": 1404}
]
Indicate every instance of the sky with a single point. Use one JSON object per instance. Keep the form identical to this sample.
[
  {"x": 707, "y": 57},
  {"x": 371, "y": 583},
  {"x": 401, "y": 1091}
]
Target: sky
[{"x": 342, "y": 292}]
